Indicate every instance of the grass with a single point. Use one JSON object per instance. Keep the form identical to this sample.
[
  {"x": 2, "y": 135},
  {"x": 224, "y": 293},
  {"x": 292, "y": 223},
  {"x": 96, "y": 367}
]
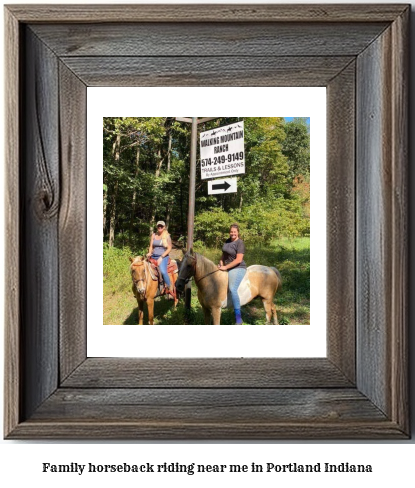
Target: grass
[{"x": 290, "y": 256}]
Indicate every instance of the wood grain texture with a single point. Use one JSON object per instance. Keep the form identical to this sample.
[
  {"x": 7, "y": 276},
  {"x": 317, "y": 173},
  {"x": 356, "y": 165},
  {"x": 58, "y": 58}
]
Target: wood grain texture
[
  {"x": 209, "y": 405},
  {"x": 207, "y": 71},
  {"x": 56, "y": 393},
  {"x": 205, "y": 13},
  {"x": 341, "y": 237},
  {"x": 39, "y": 257},
  {"x": 373, "y": 224},
  {"x": 148, "y": 430},
  {"x": 382, "y": 223},
  {"x": 72, "y": 222},
  {"x": 206, "y": 373},
  {"x": 12, "y": 384},
  {"x": 154, "y": 428},
  {"x": 209, "y": 39},
  {"x": 400, "y": 232}
]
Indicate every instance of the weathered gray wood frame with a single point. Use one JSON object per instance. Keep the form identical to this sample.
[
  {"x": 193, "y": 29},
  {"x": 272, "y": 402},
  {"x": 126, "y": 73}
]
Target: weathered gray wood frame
[{"x": 359, "y": 52}]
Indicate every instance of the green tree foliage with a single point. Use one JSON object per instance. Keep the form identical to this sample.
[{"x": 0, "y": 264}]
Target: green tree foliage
[
  {"x": 296, "y": 148},
  {"x": 146, "y": 178}
]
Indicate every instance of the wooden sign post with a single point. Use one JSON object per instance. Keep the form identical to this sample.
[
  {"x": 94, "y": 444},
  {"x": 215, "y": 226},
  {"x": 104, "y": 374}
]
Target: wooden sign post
[{"x": 195, "y": 121}]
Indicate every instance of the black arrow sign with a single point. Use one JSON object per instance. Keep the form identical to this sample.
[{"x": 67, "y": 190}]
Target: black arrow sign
[{"x": 221, "y": 186}]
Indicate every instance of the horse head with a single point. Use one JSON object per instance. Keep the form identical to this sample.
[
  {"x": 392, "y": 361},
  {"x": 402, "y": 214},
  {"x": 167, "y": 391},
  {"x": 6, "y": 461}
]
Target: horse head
[
  {"x": 138, "y": 274},
  {"x": 187, "y": 270}
]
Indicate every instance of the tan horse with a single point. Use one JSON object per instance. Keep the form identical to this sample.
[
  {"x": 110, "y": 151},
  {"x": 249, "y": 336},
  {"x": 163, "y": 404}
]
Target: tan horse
[
  {"x": 144, "y": 288},
  {"x": 212, "y": 284}
]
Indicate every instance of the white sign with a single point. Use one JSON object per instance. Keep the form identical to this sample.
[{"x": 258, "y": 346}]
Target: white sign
[
  {"x": 222, "y": 186},
  {"x": 222, "y": 151}
]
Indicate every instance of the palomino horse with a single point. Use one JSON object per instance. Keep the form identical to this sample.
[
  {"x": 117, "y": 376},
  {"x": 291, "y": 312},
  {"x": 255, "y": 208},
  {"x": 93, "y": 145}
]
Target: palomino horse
[
  {"x": 212, "y": 284},
  {"x": 144, "y": 288}
]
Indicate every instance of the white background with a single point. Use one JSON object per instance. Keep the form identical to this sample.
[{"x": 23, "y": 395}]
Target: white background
[
  {"x": 20, "y": 462},
  {"x": 208, "y": 341}
]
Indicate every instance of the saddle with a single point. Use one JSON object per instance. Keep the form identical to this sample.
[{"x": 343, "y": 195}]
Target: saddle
[{"x": 156, "y": 275}]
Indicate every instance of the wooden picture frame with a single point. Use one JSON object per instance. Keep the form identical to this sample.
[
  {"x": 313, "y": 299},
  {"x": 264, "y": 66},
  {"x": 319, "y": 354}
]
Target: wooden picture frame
[{"x": 360, "y": 53}]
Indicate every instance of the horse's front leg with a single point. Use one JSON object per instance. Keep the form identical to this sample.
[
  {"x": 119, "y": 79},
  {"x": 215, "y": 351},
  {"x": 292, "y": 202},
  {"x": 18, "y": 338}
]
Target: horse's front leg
[
  {"x": 216, "y": 315},
  {"x": 150, "y": 308},
  {"x": 140, "y": 311},
  {"x": 208, "y": 315},
  {"x": 140, "y": 304},
  {"x": 176, "y": 300}
]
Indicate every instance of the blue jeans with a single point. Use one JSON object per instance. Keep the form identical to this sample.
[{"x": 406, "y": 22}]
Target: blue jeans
[
  {"x": 163, "y": 269},
  {"x": 235, "y": 277}
]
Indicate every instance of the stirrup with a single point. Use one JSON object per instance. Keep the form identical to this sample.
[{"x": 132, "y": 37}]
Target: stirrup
[{"x": 170, "y": 293}]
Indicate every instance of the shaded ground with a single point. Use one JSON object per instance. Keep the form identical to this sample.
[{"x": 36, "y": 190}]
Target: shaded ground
[{"x": 291, "y": 257}]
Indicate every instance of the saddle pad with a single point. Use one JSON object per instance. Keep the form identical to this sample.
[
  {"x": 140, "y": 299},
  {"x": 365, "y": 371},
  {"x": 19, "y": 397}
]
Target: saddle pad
[
  {"x": 154, "y": 270},
  {"x": 172, "y": 267},
  {"x": 153, "y": 262}
]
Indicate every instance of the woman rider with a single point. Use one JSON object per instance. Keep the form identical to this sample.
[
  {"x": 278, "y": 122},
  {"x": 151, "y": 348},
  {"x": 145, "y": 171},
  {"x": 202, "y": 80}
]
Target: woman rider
[
  {"x": 160, "y": 247},
  {"x": 232, "y": 260}
]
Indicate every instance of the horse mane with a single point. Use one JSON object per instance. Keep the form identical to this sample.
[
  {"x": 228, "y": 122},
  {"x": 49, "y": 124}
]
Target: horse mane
[
  {"x": 204, "y": 265},
  {"x": 136, "y": 260}
]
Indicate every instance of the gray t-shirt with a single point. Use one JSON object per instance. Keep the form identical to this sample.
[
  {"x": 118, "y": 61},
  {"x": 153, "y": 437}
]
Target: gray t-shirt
[{"x": 230, "y": 249}]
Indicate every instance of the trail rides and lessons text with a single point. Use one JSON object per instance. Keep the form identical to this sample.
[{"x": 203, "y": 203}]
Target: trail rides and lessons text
[{"x": 222, "y": 151}]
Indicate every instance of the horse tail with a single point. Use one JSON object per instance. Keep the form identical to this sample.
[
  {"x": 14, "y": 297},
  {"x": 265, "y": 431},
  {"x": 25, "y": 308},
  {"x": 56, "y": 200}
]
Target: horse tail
[{"x": 279, "y": 278}]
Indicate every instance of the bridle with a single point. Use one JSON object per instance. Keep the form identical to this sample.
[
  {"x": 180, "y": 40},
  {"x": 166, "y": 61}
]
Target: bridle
[
  {"x": 138, "y": 265},
  {"x": 186, "y": 280}
]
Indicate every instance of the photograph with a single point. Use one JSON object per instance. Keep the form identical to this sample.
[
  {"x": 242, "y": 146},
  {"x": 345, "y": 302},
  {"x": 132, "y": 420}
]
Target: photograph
[
  {"x": 249, "y": 259},
  {"x": 278, "y": 319}
]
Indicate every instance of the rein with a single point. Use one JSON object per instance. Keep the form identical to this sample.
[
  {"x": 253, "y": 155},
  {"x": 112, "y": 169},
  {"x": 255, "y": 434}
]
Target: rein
[{"x": 203, "y": 277}]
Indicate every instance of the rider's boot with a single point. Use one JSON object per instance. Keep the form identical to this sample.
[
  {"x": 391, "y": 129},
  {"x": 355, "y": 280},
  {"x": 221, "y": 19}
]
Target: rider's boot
[
  {"x": 238, "y": 317},
  {"x": 170, "y": 291}
]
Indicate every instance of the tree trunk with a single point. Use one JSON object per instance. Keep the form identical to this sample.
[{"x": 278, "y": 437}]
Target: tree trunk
[
  {"x": 104, "y": 223},
  {"x": 116, "y": 153},
  {"x": 168, "y": 215},
  {"x": 169, "y": 152},
  {"x": 159, "y": 163},
  {"x": 152, "y": 221},
  {"x": 113, "y": 216},
  {"x": 240, "y": 201},
  {"x": 181, "y": 206},
  {"x": 168, "y": 210},
  {"x": 134, "y": 200}
]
